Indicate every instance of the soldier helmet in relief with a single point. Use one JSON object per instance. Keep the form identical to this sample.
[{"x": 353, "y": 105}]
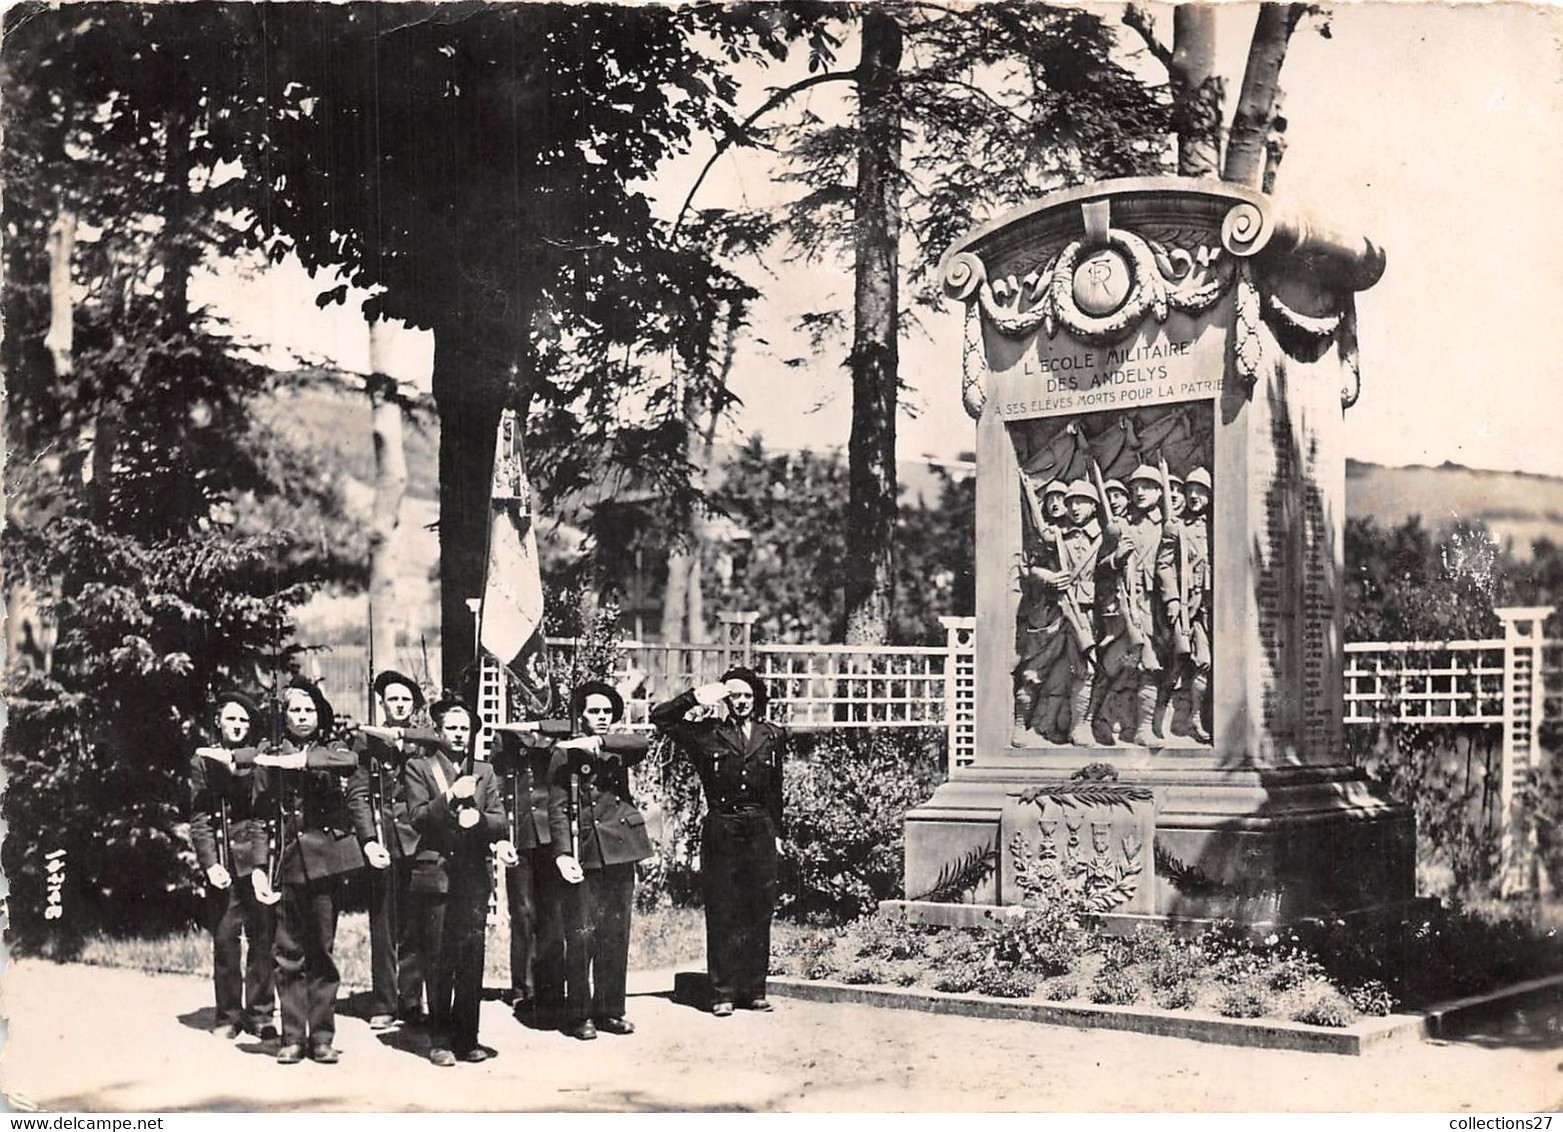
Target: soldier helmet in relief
[
  {"x": 1146, "y": 473},
  {"x": 1115, "y": 485},
  {"x": 1056, "y": 487},
  {"x": 1079, "y": 489},
  {"x": 1199, "y": 476}
]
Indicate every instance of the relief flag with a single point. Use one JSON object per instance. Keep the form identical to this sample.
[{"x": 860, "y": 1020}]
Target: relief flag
[{"x": 510, "y": 618}]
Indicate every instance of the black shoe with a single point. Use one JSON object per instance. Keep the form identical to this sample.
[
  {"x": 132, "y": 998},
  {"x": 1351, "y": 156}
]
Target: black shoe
[
  {"x": 265, "y": 1031},
  {"x": 381, "y": 1022},
  {"x": 290, "y": 1054},
  {"x": 475, "y": 1055},
  {"x": 324, "y": 1054},
  {"x": 228, "y": 1030},
  {"x": 585, "y": 1031},
  {"x": 758, "y": 1004},
  {"x": 615, "y": 1026},
  {"x": 442, "y": 1057}
]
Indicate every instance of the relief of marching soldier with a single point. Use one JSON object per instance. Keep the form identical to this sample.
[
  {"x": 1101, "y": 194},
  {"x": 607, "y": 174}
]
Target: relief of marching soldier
[{"x": 1113, "y": 643}]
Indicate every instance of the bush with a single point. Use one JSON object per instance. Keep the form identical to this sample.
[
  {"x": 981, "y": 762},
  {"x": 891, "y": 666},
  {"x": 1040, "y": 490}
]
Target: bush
[
  {"x": 997, "y": 982},
  {"x": 1062, "y": 991},
  {"x": 1180, "y": 964},
  {"x": 1325, "y": 1009},
  {"x": 847, "y": 796},
  {"x": 1292, "y": 968},
  {"x": 866, "y": 971},
  {"x": 1371, "y": 998},
  {"x": 1175, "y": 996},
  {"x": 890, "y": 937},
  {"x": 960, "y": 980},
  {"x": 1242, "y": 1002},
  {"x": 1112, "y": 987},
  {"x": 1044, "y": 941}
]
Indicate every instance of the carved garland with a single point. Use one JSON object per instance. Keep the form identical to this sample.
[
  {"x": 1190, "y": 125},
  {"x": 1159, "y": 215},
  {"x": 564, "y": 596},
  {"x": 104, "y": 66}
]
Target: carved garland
[{"x": 1164, "y": 280}]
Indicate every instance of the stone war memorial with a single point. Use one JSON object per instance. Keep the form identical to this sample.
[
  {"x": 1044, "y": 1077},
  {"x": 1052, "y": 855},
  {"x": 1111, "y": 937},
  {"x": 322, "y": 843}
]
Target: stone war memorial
[{"x": 1159, "y": 370}]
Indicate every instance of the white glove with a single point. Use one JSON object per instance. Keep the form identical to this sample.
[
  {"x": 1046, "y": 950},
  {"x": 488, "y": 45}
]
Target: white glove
[
  {"x": 710, "y": 694},
  {"x": 463, "y": 787},
  {"x": 467, "y": 818},
  {"x": 218, "y": 876},
  {"x": 216, "y": 754},
  {"x": 506, "y": 854},
  {"x": 263, "y": 890},
  {"x": 376, "y": 855},
  {"x": 570, "y": 869},
  {"x": 298, "y": 760}
]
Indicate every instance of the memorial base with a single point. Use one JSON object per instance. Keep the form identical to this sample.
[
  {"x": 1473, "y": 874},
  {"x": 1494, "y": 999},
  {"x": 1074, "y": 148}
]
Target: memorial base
[{"x": 1255, "y": 846}]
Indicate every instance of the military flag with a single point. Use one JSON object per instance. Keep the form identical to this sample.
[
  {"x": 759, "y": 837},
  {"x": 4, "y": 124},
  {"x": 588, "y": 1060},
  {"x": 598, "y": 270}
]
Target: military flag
[{"x": 510, "y": 617}]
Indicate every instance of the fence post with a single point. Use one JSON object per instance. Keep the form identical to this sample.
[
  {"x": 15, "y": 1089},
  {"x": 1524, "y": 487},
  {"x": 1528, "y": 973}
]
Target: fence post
[
  {"x": 960, "y": 691},
  {"x": 1523, "y": 690},
  {"x": 737, "y": 644}
]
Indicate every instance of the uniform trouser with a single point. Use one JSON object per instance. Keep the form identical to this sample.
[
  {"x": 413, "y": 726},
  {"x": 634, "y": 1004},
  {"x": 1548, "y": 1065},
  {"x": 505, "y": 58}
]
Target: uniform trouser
[
  {"x": 451, "y": 927},
  {"x": 246, "y": 1001},
  {"x": 394, "y": 961},
  {"x": 738, "y": 879},
  {"x": 307, "y": 976},
  {"x": 596, "y": 916},
  {"x": 536, "y": 929}
]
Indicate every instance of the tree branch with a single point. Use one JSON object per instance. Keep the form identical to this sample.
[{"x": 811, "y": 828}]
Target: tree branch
[
  {"x": 734, "y": 136},
  {"x": 974, "y": 88},
  {"x": 1137, "y": 19}
]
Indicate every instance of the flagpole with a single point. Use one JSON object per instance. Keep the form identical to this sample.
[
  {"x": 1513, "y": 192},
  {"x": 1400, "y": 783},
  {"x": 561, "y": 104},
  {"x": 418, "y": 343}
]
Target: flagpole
[{"x": 488, "y": 547}]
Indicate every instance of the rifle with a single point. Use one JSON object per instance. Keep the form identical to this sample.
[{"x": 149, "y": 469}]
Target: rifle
[{"x": 224, "y": 847}]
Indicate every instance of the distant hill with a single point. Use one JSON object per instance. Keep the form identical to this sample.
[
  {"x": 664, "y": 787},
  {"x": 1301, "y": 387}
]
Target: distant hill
[{"x": 1516, "y": 506}]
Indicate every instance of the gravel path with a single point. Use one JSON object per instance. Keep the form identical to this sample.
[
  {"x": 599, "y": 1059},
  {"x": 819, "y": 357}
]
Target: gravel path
[{"x": 96, "y": 1039}]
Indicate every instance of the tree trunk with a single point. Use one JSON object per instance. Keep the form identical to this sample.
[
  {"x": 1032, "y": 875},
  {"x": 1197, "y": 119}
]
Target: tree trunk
[
  {"x": 1256, "y": 104},
  {"x": 874, "y": 361},
  {"x": 473, "y": 363},
  {"x": 180, "y": 249},
  {"x": 60, "y": 340},
  {"x": 1198, "y": 93},
  {"x": 390, "y": 486}
]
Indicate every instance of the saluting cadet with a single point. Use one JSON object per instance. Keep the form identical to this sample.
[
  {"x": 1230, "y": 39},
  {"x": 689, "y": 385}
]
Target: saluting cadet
[
  {"x": 228, "y": 830},
  {"x": 533, "y": 887},
  {"x": 739, "y": 761},
  {"x": 597, "y": 836},
  {"x": 395, "y": 968},
  {"x": 326, "y": 834},
  {"x": 454, "y": 804}
]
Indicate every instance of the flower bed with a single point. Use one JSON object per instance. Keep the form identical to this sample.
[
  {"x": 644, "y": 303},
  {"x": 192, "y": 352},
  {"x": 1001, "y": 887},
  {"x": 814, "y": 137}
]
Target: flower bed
[{"x": 1325, "y": 974}]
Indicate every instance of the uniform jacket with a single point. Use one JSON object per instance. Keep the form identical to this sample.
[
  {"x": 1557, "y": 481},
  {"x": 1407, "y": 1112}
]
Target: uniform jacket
[
  {"x": 380, "y": 764},
  {"x": 211, "y": 784},
  {"x": 613, "y": 831},
  {"x": 521, "y": 764},
  {"x": 325, "y": 812},
  {"x": 443, "y": 845},
  {"x": 733, "y": 773}
]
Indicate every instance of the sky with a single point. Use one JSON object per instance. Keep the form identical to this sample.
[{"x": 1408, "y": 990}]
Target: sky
[{"x": 1435, "y": 131}]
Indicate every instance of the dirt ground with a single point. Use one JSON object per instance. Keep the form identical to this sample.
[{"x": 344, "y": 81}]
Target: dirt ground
[{"x": 96, "y": 1039}]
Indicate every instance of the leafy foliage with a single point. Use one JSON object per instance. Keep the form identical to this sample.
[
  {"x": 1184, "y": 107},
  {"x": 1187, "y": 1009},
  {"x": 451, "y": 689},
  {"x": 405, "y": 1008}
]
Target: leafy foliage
[{"x": 157, "y": 528}]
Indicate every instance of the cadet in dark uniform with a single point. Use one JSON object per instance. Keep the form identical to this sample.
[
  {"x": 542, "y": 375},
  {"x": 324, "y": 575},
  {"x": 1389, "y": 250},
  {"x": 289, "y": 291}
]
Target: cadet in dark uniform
[
  {"x": 533, "y": 887},
  {"x": 739, "y": 760},
  {"x": 325, "y": 817},
  {"x": 588, "y": 781},
  {"x": 455, "y": 806},
  {"x": 394, "y": 962},
  {"x": 228, "y": 829}
]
